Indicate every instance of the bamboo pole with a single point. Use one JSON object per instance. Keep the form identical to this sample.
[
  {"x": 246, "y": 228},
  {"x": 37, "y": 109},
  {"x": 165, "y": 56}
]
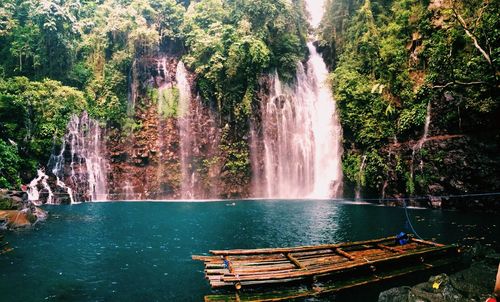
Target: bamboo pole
[
  {"x": 389, "y": 248},
  {"x": 426, "y": 242},
  {"x": 296, "y": 249},
  {"x": 341, "y": 252},
  {"x": 295, "y": 261},
  {"x": 291, "y": 294},
  {"x": 334, "y": 268}
]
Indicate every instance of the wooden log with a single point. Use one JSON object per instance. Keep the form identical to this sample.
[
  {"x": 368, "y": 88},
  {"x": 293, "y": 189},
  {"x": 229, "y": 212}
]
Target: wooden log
[
  {"x": 263, "y": 269},
  {"x": 341, "y": 252},
  {"x": 294, "y": 261},
  {"x": 334, "y": 268},
  {"x": 389, "y": 248},
  {"x": 245, "y": 274},
  {"x": 329, "y": 288},
  {"x": 296, "y": 249},
  {"x": 425, "y": 242},
  {"x": 229, "y": 266},
  {"x": 307, "y": 254},
  {"x": 205, "y": 258}
]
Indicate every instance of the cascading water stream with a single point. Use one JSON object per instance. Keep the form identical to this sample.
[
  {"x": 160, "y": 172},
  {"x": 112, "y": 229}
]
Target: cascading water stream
[
  {"x": 421, "y": 141},
  {"x": 57, "y": 163},
  {"x": 82, "y": 173},
  {"x": 34, "y": 193},
  {"x": 357, "y": 193},
  {"x": 188, "y": 177},
  {"x": 302, "y": 133},
  {"x": 133, "y": 87}
]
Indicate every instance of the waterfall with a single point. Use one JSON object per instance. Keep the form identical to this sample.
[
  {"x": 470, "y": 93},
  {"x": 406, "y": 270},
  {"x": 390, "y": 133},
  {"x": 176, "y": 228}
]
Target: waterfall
[
  {"x": 301, "y": 131},
  {"x": 357, "y": 193},
  {"x": 88, "y": 167},
  {"x": 57, "y": 163},
  {"x": 187, "y": 173},
  {"x": 96, "y": 164},
  {"x": 79, "y": 167},
  {"x": 302, "y": 135},
  {"x": 129, "y": 191},
  {"x": 421, "y": 141},
  {"x": 133, "y": 87},
  {"x": 316, "y": 9},
  {"x": 34, "y": 193},
  {"x": 164, "y": 83}
]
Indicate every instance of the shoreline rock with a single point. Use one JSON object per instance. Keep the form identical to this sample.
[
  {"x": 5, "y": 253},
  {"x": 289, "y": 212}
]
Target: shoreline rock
[
  {"x": 474, "y": 283},
  {"x": 17, "y": 212}
]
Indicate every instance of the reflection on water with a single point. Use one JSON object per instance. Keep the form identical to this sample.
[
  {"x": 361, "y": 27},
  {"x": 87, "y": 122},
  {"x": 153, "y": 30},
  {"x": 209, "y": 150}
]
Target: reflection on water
[{"x": 142, "y": 251}]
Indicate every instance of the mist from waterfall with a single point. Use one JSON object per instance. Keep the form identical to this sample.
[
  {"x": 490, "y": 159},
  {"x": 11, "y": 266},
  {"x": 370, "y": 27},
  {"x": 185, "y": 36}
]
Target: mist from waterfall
[
  {"x": 301, "y": 132},
  {"x": 302, "y": 135}
]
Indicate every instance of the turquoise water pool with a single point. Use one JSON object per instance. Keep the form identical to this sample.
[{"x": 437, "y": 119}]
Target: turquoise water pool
[{"x": 141, "y": 251}]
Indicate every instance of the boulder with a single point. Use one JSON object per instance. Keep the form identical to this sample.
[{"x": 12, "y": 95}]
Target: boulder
[
  {"x": 475, "y": 283},
  {"x": 26, "y": 217},
  {"x": 11, "y": 200},
  {"x": 397, "y": 294}
]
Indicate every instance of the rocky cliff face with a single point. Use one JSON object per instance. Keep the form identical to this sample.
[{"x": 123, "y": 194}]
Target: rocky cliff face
[
  {"x": 167, "y": 153},
  {"x": 440, "y": 170},
  {"x": 390, "y": 61}
]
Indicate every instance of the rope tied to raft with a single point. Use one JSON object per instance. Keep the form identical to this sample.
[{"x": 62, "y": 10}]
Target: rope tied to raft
[{"x": 408, "y": 221}]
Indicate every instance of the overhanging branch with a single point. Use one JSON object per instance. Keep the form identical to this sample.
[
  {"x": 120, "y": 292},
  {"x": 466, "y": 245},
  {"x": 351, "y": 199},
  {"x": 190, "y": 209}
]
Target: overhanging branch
[
  {"x": 458, "y": 83},
  {"x": 472, "y": 36}
]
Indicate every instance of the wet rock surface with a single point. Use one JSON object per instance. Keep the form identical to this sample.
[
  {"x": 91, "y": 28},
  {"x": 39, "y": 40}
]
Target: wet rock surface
[
  {"x": 17, "y": 212},
  {"x": 148, "y": 160},
  {"x": 475, "y": 283}
]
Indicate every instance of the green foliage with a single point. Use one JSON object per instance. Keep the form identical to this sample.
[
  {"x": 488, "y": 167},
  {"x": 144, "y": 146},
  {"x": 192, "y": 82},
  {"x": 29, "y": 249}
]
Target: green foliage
[
  {"x": 410, "y": 183},
  {"x": 375, "y": 170},
  {"x": 9, "y": 166},
  {"x": 99, "y": 47},
  {"x": 168, "y": 102},
  {"x": 33, "y": 114},
  {"x": 230, "y": 44},
  {"x": 351, "y": 162},
  {"x": 130, "y": 125},
  {"x": 237, "y": 154},
  {"x": 394, "y": 57}
]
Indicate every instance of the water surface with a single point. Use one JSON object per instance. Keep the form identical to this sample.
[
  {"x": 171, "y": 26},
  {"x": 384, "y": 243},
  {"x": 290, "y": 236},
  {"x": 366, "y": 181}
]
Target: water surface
[{"x": 141, "y": 251}]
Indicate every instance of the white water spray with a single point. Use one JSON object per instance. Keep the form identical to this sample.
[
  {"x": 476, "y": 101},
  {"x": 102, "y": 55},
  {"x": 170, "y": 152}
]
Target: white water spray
[
  {"x": 316, "y": 9},
  {"x": 301, "y": 131},
  {"x": 188, "y": 177},
  {"x": 82, "y": 173},
  {"x": 34, "y": 194},
  {"x": 302, "y": 136}
]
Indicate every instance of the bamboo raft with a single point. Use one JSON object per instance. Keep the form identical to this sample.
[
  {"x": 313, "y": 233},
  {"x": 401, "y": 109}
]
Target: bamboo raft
[{"x": 363, "y": 262}]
